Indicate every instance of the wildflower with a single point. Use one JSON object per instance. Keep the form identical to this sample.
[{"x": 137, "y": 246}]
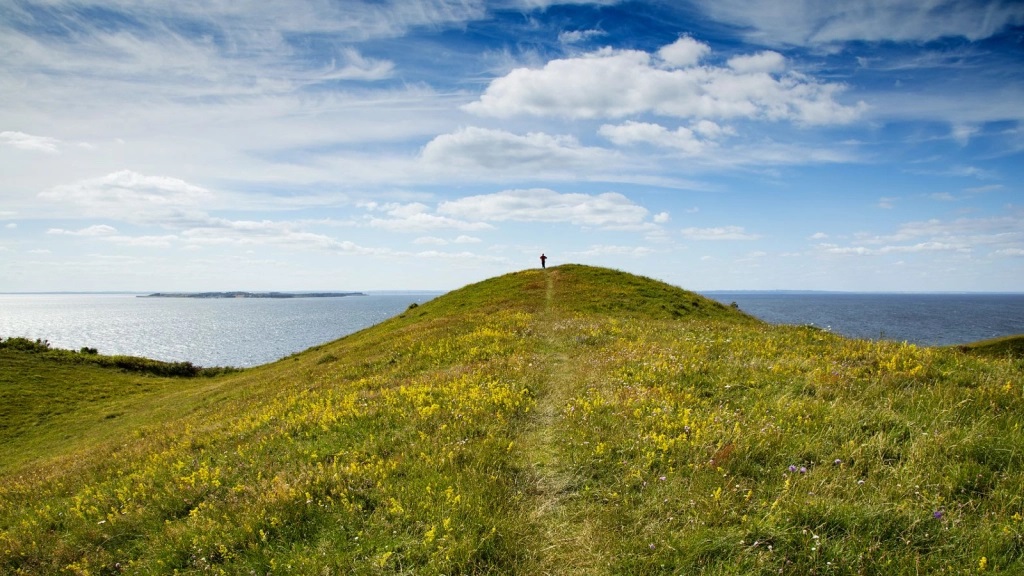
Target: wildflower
[
  {"x": 803, "y": 470},
  {"x": 837, "y": 461},
  {"x": 937, "y": 514},
  {"x": 792, "y": 468}
]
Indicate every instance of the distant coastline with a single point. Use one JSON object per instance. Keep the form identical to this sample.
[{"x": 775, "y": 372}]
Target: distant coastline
[{"x": 250, "y": 294}]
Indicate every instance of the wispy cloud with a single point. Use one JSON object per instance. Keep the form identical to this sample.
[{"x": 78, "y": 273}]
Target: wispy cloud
[
  {"x": 608, "y": 210},
  {"x": 23, "y": 141},
  {"x": 719, "y": 233},
  {"x": 803, "y": 23}
]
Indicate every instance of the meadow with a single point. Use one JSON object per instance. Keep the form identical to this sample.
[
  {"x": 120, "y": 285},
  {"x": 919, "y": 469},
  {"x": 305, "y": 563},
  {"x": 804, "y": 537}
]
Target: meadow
[{"x": 574, "y": 420}]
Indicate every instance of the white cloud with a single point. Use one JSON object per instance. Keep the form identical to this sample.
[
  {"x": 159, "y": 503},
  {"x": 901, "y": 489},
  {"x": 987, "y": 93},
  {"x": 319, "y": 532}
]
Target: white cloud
[
  {"x": 23, "y": 141},
  {"x": 684, "y": 52},
  {"x": 147, "y": 241},
  {"x": 464, "y": 239},
  {"x": 965, "y": 235},
  {"x": 608, "y": 210},
  {"x": 814, "y": 23},
  {"x": 896, "y": 249},
  {"x": 95, "y": 230},
  {"x": 661, "y": 218},
  {"x": 358, "y": 67},
  {"x": 983, "y": 189},
  {"x": 632, "y": 132},
  {"x": 11, "y": 225},
  {"x": 962, "y": 133},
  {"x": 130, "y": 196},
  {"x": 613, "y": 83},
  {"x": 576, "y": 36},
  {"x": 763, "y": 62},
  {"x": 498, "y": 151},
  {"x": 416, "y": 217},
  {"x": 220, "y": 231},
  {"x": 719, "y": 233},
  {"x": 430, "y": 240},
  {"x": 819, "y": 236},
  {"x": 612, "y": 250}
]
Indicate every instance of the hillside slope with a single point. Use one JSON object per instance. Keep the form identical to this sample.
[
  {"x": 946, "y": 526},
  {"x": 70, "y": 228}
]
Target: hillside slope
[{"x": 576, "y": 420}]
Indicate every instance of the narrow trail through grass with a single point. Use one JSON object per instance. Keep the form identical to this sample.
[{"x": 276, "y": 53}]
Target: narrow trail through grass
[
  {"x": 573, "y": 420},
  {"x": 568, "y": 535}
]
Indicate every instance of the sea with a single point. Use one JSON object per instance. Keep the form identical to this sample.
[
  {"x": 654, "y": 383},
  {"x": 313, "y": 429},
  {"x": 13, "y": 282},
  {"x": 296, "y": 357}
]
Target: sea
[
  {"x": 922, "y": 319},
  {"x": 246, "y": 332},
  {"x": 240, "y": 332}
]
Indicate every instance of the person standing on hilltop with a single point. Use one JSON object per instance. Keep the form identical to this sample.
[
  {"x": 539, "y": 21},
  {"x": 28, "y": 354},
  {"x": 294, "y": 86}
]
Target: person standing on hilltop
[{"x": 543, "y": 260}]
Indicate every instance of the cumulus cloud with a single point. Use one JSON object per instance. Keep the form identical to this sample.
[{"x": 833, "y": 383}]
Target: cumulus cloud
[
  {"x": 501, "y": 151},
  {"x": 632, "y": 132},
  {"x": 719, "y": 233},
  {"x": 23, "y": 141},
  {"x": 608, "y": 210},
  {"x": 683, "y": 52},
  {"x": 612, "y": 83},
  {"x": 762, "y": 62}
]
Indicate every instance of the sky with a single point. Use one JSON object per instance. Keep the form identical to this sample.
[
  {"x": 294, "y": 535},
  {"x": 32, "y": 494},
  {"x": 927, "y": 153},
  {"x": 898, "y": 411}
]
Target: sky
[{"x": 194, "y": 145}]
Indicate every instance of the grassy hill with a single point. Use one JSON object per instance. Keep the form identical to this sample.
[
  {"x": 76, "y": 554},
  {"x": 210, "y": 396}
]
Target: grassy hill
[{"x": 576, "y": 420}]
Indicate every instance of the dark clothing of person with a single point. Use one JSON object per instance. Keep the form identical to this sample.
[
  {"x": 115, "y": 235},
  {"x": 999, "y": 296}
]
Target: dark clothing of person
[{"x": 543, "y": 261}]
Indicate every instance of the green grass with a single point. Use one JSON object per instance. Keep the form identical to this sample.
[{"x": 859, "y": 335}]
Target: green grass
[
  {"x": 1006, "y": 347},
  {"x": 576, "y": 420}
]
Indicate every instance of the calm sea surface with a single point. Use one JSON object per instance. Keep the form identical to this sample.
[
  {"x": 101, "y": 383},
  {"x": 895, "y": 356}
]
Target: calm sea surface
[
  {"x": 924, "y": 319},
  {"x": 205, "y": 331},
  {"x": 248, "y": 332}
]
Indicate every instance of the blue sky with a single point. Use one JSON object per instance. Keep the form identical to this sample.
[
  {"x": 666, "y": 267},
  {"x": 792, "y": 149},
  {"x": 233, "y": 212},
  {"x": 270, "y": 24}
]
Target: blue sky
[{"x": 336, "y": 145}]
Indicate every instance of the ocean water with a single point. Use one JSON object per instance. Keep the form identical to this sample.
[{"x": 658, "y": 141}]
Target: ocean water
[
  {"x": 923, "y": 319},
  {"x": 238, "y": 332},
  {"x": 249, "y": 332}
]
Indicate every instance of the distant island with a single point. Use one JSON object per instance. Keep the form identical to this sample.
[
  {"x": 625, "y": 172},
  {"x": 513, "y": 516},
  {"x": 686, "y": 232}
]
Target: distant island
[{"x": 251, "y": 294}]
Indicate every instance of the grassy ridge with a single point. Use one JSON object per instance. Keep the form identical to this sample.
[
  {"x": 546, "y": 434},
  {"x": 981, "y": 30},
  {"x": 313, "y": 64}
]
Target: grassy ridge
[
  {"x": 1006, "y": 347},
  {"x": 574, "y": 420}
]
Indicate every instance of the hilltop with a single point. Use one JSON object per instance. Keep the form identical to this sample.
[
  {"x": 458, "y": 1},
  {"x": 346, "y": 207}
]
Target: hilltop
[{"x": 574, "y": 420}]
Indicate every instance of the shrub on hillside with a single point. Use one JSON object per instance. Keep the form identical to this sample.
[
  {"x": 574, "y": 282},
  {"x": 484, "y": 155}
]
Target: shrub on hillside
[{"x": 24, "y": 344}]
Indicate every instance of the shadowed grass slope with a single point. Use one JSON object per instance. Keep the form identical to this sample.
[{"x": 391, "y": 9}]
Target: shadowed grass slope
[
  {"x": 576, "y": 420},
  {"x": 1006, "y": 347}
]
